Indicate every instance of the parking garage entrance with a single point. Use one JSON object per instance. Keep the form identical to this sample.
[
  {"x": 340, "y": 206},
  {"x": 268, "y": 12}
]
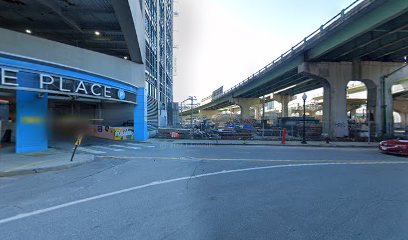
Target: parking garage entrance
[{"x": 44, "y": 104}]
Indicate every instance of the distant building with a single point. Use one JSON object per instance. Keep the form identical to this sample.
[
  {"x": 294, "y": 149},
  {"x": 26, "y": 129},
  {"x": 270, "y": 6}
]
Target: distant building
[{"x": 158, "y": 17}]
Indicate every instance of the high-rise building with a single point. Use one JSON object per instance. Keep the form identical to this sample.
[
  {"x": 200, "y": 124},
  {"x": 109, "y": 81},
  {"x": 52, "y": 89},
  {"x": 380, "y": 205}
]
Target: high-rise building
[{"x": 158, "y": 17}]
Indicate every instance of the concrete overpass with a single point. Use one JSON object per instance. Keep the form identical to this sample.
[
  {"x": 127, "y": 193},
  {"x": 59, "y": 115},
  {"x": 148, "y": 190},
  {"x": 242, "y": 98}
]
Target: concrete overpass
[{"x": 364, "y": 42}]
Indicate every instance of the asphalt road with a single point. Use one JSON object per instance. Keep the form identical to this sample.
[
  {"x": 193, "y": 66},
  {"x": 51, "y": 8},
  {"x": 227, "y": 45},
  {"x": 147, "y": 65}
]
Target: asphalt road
[{"x": 166, "y": 191}]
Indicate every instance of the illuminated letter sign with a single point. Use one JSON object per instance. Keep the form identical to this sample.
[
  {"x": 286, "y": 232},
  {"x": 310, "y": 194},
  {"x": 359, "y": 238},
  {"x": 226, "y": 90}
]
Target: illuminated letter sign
[
  {"x": 45, "y": 80},
  {"x": 106, "y": 92},
  {"x": 93, "y": 89},
  {"x": 81, "y": 86},
  {"x": 6, "y": 77},
  {"x": 54, "y": 84}
]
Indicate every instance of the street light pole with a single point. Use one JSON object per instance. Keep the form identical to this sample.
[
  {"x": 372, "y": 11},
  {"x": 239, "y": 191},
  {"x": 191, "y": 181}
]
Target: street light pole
[{"x": 304, "y": 97}]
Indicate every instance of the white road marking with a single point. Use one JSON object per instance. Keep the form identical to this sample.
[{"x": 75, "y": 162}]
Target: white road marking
[
  {"x": 108, "y": 148},
  {"x": 140, "y": 145},
  {"x": 155, "y": 183},
  {"x": 123, "y": 146},
  {"x": 90, "y": 150}
]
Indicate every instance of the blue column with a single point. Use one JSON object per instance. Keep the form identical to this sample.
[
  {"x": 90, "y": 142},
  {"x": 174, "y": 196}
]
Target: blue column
[
  {"x": 31, "y": 112},
  {"x": 140, "y": 116}
]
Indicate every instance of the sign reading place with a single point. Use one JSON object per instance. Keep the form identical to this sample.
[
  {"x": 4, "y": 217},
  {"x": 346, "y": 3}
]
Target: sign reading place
[{"x": 58, "y": 84}]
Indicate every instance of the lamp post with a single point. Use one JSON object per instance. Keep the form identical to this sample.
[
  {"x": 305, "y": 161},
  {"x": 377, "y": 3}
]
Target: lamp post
[{"x": 304, "y": 97}]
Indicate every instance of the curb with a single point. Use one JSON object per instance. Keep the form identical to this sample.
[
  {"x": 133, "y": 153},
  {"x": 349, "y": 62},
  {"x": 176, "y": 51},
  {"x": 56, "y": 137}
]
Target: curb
[
  {"x": 282, "y": 145},
  {"x": 45, "y": 169}
]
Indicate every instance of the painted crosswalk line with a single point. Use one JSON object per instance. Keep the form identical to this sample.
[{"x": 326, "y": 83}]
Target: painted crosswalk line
[
  {"x": 88, "y": 150},
  {"x": 108, "y": 148},
  {"x": 124, "y": 146},
  {"x": 140, "y": 145}
]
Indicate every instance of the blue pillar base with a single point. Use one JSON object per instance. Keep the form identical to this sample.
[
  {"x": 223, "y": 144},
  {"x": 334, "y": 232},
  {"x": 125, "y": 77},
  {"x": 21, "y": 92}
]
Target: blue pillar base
[
  {"x": 31, "y": 113},
  {"x": 140, "y": 116}
]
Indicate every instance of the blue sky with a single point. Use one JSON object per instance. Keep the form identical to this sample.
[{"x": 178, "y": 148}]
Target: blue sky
[{"x": 221, "y": 42}]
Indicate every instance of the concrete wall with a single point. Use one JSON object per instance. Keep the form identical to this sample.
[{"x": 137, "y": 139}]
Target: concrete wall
[{"x": 43, "y": 50}]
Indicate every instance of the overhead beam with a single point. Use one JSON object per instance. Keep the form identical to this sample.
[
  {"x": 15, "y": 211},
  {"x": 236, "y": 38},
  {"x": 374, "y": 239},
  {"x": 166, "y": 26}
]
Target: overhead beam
[
  {"x": 379, "y": 48},
  {"x": 373, "y": 39},
  {"x": 130, "y": 17},
  {"x": 354, "y": 29},
  {"x": 389, "y": 52},
  {"x": 303, "y": 87}
]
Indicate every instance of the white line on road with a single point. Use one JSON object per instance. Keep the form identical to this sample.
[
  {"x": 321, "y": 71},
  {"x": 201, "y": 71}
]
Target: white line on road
[
  {"x": 110, "y": 149},
  {"x": 84, "y": 200},
  {"x": 123, "y": 146},
  {"x": 140, "y": 145},
  {"x": 90, "y": 150}
]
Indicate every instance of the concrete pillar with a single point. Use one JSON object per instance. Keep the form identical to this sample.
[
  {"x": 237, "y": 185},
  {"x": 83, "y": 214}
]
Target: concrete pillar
[
  {"x": 207, "y": 114},
  {"x": 258, "y": 111},
  {"x": 285, "y": 105},
  {"x": 245, "y": 105},
  {"x": 326, "y": 109},
  {"x": 388, "y": 105},
  {"x": 284, "y": 101},
  {"x": 336, "y": 75},
  {"x": 389, "y": 111},
  {"x": 235, "y": 110},
  {"x": 372, "y": 74},
  {"x": 403, "y": 119},
  {"x": 353, "y": 112},
  {"x": 401, "y": 107}
]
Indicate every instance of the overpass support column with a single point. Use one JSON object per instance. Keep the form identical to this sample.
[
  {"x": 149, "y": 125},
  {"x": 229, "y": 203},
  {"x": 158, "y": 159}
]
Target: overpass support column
[
  {"x": 404, "y": 119},
  {"x": 335, "y": 77},
  {"x": 207, "y": 114},
  {"x": 388, "y": 105},
  {"x": 326, "y": 109},
  {"x": 401, "y": 107},
  {"x": 245, "y": 105},
  {"x": 284, "y": 101},
  {"x": 379, "y": 96},
  {"x": 258, "y": 111}
]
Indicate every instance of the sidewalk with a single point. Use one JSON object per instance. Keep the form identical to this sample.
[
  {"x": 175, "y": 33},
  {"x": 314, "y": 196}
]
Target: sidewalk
[
  {"x": 12, "y": 164},
  {"x": 266, "y": 143}
]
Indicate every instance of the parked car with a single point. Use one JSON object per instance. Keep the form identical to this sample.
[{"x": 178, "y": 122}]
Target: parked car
[{"x": 394, "y": 146}]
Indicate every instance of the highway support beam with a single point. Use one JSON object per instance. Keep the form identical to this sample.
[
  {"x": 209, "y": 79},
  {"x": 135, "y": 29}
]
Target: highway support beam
[
  {"x": 389, "y": 105},
  {"x": 335, "y": 77},
  {"x": 245, "y": 104},
  {"x": 207, "y": 114},
  {"x": 404, "y": 120},
  {"x": 401, "y": 107},
  {"x": 284, "y": 100}
]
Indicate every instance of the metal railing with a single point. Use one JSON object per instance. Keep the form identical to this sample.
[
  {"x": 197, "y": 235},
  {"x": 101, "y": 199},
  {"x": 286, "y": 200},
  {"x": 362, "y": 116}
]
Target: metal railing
[{"x": 334, "y": 21}]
